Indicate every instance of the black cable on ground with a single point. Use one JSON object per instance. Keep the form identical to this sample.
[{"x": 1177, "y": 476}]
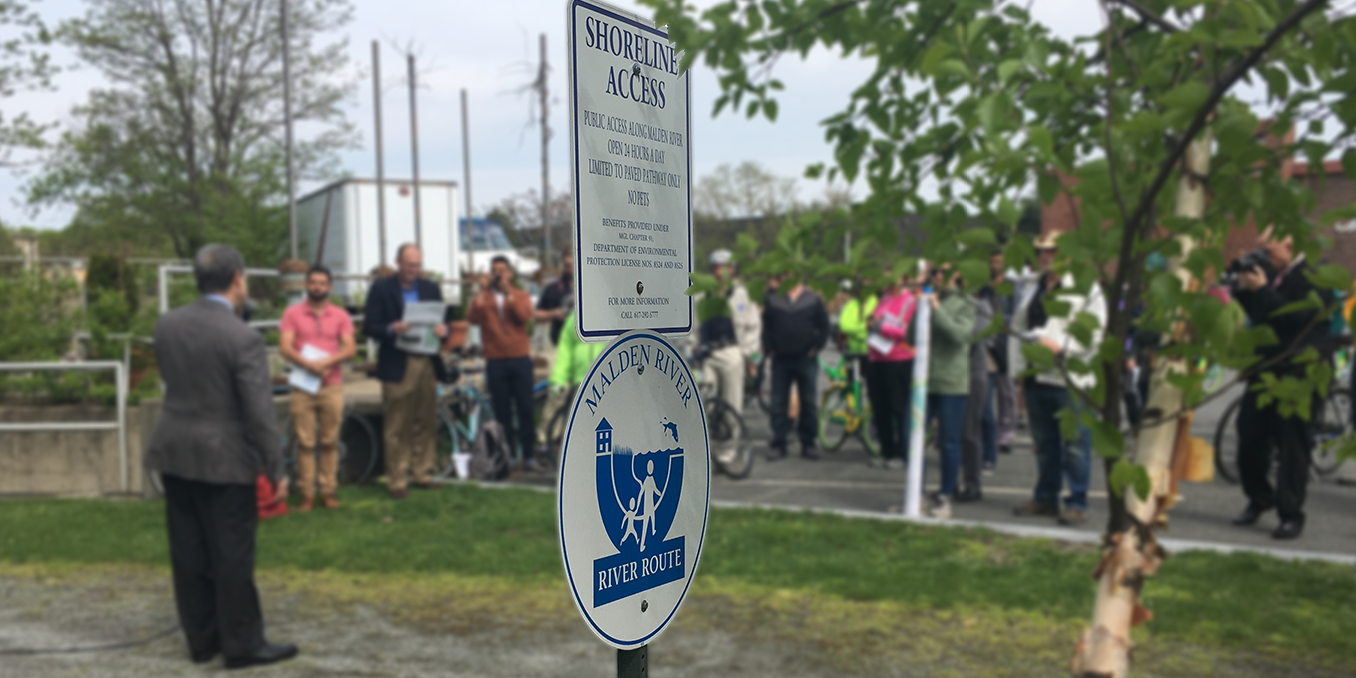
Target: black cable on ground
[{"x": 91, "y": 648}]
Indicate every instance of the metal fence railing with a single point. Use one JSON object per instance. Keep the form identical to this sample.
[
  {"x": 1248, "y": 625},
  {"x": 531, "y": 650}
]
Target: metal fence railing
[{"x": 119, "y": 377}]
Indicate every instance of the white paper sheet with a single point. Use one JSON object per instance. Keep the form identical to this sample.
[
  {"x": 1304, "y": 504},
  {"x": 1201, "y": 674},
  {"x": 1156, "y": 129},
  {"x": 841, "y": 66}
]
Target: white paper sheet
[{"x": 304, "y": 380}]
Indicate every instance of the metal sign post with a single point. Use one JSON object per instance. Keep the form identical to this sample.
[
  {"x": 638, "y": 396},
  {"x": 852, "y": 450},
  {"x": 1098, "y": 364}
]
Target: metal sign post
[
  {"x": 918, "y": 408},
  {"x": 631, "y": 152}
]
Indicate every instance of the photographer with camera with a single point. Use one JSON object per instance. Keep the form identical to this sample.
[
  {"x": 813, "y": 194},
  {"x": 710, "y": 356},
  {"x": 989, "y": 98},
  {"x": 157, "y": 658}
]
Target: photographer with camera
[
  {"x": 502, "y": 311},
  {"x": 1264, "y": 281}
]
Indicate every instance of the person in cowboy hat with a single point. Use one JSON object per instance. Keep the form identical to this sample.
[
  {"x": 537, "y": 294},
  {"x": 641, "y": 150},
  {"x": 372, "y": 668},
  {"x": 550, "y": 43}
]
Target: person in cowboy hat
[{"x": 1051, "y": 390}]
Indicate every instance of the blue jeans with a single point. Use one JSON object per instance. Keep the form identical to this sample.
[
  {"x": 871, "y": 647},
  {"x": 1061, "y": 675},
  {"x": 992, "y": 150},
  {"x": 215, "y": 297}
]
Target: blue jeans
[
  {"x": 949, "y": 411},
  {"x": 1057, "y": 459}
]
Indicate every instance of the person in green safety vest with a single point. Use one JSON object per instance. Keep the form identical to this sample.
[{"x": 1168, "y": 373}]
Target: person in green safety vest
[
  {"x": 573, "y": 358},
  {"x": 853, "y": 320}
]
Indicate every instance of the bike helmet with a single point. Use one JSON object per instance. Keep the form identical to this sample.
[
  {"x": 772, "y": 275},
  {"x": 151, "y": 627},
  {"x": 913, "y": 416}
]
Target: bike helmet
[{"x": 721, "y": 257}]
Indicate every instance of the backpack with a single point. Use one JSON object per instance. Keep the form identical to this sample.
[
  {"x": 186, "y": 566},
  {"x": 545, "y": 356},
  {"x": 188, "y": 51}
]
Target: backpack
[{"x": 491, "y": 458}]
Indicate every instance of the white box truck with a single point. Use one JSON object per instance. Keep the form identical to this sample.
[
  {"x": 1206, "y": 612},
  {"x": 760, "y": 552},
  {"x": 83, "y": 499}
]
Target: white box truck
[{"x": 352, "y": 241}]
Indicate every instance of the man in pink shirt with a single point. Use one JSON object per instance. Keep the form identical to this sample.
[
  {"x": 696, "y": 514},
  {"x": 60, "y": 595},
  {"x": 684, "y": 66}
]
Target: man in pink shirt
[{"x": 317, "y": 337}]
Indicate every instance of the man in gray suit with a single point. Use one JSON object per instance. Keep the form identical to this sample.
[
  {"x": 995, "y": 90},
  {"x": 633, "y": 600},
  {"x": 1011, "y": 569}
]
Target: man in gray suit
[{"x": 218, "y": 432}]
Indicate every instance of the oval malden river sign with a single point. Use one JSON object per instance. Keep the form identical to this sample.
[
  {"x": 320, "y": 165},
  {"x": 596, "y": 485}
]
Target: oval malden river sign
[{"x": 635, "y": 486}]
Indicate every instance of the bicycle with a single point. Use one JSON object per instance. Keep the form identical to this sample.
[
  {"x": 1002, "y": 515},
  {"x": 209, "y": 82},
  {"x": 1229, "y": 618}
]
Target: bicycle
[
  {"x": 843, "y": 409},
  {"x": 1332, "y": 422},
  {"x": 462, "y": 408},
  {"x": 724, "y": 424},
  {"x": 359, "y": 448}
]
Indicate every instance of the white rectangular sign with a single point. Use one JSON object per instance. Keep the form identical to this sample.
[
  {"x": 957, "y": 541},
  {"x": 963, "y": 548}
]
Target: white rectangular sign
[{"x": 630, "y": 137}]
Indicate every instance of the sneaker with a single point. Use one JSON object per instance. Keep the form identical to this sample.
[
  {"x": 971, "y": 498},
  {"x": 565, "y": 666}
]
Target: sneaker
[
  {"x": 1033, "y": 508},
  {"x": 1073, "y": 516},
  {"x": 1005, "y": 448},
  {"x": 877, "y": 462},
  {"x": 987, "y": 472},
  {"x": 894, "y": 464},
  {"x": 776, "y": 453},
  {"x": 809, "y": 452},
  {"x": 940, "y": 508}
]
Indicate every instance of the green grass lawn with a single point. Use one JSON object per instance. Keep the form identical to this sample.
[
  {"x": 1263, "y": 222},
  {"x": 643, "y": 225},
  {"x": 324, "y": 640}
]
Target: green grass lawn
[{"x": 508, "y": 537}]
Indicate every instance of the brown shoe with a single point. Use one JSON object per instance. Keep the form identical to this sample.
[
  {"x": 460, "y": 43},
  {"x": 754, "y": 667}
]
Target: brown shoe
[
  {"x": 329, "y": 501},
  {"x": 1073, "y": 516},
  {"x": 307, "y": 503},
  {"x": 1034, "y": 508},
  {"x": 425, "y": 485},
  {"x": 399, "y": 493}
]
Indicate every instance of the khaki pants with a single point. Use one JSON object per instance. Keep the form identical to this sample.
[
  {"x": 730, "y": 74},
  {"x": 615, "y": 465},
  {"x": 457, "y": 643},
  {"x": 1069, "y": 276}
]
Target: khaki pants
[
  {"x": 411, "y": 419},
  {"x": 326, "y": 409},
  {"x": 726, "y": 367}
]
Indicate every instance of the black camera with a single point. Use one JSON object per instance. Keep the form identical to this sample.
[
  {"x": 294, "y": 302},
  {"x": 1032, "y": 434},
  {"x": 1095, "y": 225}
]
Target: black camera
[{"x": 1257, "y": 258}]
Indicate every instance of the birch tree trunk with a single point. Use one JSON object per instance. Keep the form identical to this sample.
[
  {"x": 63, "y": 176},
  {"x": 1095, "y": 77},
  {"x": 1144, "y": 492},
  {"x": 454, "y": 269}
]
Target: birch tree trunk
[{"x": 1132, "y": 555}]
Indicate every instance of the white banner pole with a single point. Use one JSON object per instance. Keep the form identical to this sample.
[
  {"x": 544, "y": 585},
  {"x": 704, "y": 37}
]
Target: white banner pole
[{"x": 918, "y": 408}]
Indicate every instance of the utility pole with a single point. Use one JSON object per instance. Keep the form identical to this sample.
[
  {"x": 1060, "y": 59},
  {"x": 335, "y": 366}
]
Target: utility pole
[
  {"x": 381, "y": 167},
  {"x": 466, "y": 177},
  {"x": 545, "y": 159},
  {"x": 414, "y": 153},
  {"x": 287, "y": 123}
]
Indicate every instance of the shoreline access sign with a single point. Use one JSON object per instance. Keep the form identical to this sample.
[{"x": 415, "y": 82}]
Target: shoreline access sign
[
  {"x": 634, "y": 489},
  {"x": 630, "y": 138}
]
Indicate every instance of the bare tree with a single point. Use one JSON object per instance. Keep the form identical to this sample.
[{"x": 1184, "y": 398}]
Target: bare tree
[{"x": 187, "y": 140}]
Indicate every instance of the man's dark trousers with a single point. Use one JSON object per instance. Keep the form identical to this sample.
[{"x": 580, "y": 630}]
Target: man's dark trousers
[
  {"x": 211, "y": 538},
  {"x": 803, "y": 370},
  {"x": 510, "y": 381},
  {"x": 1260, "y": 430}
]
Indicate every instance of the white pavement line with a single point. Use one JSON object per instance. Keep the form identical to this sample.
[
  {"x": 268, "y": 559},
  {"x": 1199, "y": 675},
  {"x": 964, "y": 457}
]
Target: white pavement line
[
  {"x": 1056, "y": 533},
  {"x": 875, "y": 485}
]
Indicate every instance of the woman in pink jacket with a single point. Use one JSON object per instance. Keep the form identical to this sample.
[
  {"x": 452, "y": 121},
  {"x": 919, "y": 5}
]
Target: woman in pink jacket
[{"x": 890, "y": 371}]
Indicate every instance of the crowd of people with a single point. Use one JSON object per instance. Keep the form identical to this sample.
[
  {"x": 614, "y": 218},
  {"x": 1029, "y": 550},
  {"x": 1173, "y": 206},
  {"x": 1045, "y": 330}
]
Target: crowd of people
[{"x": 217, "y": 445}]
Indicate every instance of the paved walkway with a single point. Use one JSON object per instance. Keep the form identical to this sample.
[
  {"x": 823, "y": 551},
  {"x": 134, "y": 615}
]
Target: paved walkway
[{"x": 843, "y": 480}]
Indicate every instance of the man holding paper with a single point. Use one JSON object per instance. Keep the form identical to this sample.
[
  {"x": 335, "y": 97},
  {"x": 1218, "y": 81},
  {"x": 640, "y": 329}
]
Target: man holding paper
[
  {"x": 397, "y": 306},
  {"x": 317, "y": 337}
]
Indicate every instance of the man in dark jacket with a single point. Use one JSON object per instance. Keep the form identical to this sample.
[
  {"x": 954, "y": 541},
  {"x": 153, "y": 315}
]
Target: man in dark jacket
[
  {"x": 217, "y": 433},
  {"x": 409, "y": 389},
  {"x": 795, "y": 328},
  {"x": 1262, "y": 428}
]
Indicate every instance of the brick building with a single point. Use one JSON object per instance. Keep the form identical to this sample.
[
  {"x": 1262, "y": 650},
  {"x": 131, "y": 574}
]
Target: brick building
[{"x": 1331, "y": 186}]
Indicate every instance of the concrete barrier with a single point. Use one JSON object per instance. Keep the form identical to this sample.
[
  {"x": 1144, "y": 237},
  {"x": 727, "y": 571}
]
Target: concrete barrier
[{"x": 72, "y": 463}]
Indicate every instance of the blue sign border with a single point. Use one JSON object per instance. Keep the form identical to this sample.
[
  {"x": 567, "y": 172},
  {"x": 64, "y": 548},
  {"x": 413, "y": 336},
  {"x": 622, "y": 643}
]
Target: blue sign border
[
  {"x": 574, "y": 148},
  {"x": 560, "y": 487}
]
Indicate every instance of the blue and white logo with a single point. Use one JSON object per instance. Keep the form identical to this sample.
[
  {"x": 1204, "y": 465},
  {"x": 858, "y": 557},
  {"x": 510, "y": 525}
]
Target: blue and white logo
[
  {"x": 634, "y": 489},
  {"x": 638, "y": 495}
]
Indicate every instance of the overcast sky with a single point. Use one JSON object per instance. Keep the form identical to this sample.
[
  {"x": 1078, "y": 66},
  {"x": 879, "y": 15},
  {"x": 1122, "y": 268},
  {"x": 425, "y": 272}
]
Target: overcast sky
[{"x": 491, "y": 50}]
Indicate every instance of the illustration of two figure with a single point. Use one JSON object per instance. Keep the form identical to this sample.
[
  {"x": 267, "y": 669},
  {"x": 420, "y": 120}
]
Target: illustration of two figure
[{"x": 649, "y": 498}]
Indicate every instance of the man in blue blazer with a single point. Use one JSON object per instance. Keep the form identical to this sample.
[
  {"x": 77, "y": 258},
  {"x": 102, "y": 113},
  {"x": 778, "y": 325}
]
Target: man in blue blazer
[{"x": 408, "y": 380}]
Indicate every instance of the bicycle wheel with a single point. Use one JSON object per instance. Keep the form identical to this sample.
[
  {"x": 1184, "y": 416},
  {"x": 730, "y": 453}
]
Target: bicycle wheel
[
  {"x": 867, "y": 430},
  {"x": 730, "y": 446},
  {"x": 358, "y": 449},
  {"x": 446, "y": 443},
  {"x": 836, "y": 418},
  {"x": 555, "y": 432},
  {"x": 1226, "y": 444},
  {"x": 1331, "y": 424}
]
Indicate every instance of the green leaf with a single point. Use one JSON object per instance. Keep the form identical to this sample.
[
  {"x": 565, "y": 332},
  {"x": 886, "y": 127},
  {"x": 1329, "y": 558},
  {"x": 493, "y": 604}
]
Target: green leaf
[
  {"x": 1107, "y": 440},
  {"x": 1188, "y": 96},
  {"x": 1008, "y": 214},
  {"x": 1126, "y": 474},
  {"x": 1332, "y": 277},
  {"x": 954, "y": 67},
  {"x": 1040, "y": 137},
  {"x": 1007, "y": 69},
  {"x": 703, "y": 283},
  {"x": 770, "y": 110},
  {"x": 1047, "y": 186},
  {"x": 975, "y": 272},
  {"x": 1349, "y": 163},
  {"x": 977, "y": 237}
]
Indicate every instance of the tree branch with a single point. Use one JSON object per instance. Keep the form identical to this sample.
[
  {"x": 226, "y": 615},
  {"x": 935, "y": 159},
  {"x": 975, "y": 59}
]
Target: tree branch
[
  {"x": 1221, "y": 87},
  {"x": 1150, "y": 16}
]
